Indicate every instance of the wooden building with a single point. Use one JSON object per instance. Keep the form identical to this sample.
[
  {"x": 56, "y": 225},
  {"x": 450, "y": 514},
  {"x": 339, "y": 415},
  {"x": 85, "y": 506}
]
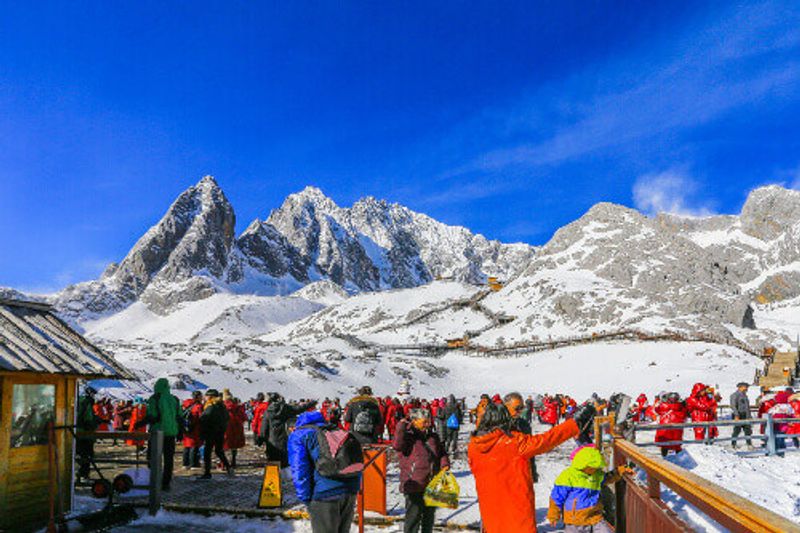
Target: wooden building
[{"x": 41, "y": 360}]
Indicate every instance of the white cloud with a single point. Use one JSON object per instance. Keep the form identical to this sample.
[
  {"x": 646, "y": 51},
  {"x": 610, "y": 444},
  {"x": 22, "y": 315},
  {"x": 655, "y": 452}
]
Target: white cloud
[{"x": 668, "y": 192}]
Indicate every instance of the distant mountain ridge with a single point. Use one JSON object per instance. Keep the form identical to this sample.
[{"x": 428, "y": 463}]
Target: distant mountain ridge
[{"x": 193, "y": 253}]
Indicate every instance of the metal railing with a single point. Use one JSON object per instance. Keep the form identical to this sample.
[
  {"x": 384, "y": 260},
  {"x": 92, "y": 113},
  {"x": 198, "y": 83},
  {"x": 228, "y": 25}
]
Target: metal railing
[{"x": 771, "y": 437}]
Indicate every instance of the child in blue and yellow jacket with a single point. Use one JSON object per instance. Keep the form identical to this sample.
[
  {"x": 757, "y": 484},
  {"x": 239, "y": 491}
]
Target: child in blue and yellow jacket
[{"x": 575, "y": 498}]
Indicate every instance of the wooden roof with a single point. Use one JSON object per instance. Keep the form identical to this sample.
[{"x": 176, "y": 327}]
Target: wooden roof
[{"x": 33, "y": 339}]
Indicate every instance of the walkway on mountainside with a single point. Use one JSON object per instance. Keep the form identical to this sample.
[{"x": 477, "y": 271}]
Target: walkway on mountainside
[
  {"x": 523, "y": 348},
  {"x": 473, "y": 302},
  {"x": 776, "y": 375}
]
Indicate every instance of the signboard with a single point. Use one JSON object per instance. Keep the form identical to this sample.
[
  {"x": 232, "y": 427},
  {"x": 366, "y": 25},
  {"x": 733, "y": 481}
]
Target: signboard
[
  {"x": 375, "y": 480},
  {"x": 271, "y": 486}
]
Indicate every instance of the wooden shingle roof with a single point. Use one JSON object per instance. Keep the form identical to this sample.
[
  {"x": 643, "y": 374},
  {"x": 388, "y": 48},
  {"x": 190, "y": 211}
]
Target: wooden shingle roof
[{"x": 34, "y": 339}]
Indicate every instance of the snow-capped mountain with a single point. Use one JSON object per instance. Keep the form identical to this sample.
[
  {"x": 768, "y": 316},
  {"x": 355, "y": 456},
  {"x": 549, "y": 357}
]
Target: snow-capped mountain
[
  {"x": 375, "y": 245},
  {"x": 333, "y": 294},
  {"x": 193, "y": 253}
]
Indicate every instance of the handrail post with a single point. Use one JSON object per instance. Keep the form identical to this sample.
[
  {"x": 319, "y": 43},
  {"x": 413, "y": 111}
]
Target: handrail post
[
  {"x": 772, "y": 445},
  {"x": 653, "y": 487},
  {"x": 156, "y": 448},
  {"x": 619, "y": 494}
]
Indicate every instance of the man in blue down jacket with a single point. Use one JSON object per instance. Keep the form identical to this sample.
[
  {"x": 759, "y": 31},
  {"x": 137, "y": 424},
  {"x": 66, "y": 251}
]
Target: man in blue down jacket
[{"x": 330, "y": 502}]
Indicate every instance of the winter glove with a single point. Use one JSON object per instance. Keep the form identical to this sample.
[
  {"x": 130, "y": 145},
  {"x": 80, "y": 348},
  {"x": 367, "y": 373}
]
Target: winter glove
[{"x": 584, "y": 417}]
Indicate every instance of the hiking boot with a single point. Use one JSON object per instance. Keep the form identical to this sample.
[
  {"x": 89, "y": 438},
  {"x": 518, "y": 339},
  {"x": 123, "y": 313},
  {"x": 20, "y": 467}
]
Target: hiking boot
[
  {"x": 207, "y": 475},
  {"x": 231, "y": 472}
]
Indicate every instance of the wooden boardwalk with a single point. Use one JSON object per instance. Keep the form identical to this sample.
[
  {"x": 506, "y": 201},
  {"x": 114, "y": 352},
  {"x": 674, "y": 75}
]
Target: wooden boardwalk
[{"x": 775, "y": 375}]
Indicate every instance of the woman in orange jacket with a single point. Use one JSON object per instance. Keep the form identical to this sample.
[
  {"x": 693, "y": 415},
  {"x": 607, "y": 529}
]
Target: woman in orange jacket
[{"x": 500, "y": 461}]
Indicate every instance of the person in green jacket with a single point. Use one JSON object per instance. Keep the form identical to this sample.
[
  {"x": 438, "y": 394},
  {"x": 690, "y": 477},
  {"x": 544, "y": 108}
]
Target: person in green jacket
[{"x": 164, "y": 413}]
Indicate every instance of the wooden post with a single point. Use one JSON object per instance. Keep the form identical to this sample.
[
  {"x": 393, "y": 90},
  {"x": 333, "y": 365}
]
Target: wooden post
[
  {"x": 156, "y": 449},
  {"x": 619, "y": 495},
  {"x": 653, "y": 487},
  {"x": 53, "y": 468},
  {"x": 361, "y": 507}
]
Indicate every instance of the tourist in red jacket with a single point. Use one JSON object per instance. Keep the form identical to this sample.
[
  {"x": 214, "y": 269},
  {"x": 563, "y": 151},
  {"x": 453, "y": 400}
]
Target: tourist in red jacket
[
  {"x": 394, "y": 410},
  {"x": 104, "y": 412},
  {"x": 702, "y": 407},
  {"x": 192, "y": 409},
  {"x": 259, "y": 408},
  {"x": 670, "y": 411},
  {"x": 550, "y": 414},
  {"x": 640, "y": 408},
  {"x": 234, "y": 433}
]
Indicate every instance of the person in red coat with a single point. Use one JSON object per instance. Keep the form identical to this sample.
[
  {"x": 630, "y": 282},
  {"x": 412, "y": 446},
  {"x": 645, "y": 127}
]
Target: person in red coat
[
  {"x": 103, "y": 411},
  {"x": 138, "y": 413},
  {"x": 670, "y": 411},
  {"x": 259, "y": 408},
  {"x": 234, "y": 433},
  {"x": 394, "y": 408},
  {"x": 794, "y": 427},
  {"x": 764, "y": 406},
  {"x": 640, "y": 408},
  {"x": 192, "y": 409},
  {"x": 702, "y": 407},
  {"x": 550, "y": 414}
]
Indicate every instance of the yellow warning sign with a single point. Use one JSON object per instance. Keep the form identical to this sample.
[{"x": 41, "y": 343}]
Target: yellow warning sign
[{"x": 271, "y": 486}]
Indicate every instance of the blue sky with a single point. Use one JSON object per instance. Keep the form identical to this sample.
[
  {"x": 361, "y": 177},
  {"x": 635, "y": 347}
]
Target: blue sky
[{"x": 509, "y": 120}]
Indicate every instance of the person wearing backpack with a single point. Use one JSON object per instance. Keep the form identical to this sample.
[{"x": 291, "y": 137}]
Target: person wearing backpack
[
  {"x": 363, "y": 413},
  {"x": 450, "y": 422},
  {"x": 326, "y": 464},
  {"x": 421, "y": 456}
]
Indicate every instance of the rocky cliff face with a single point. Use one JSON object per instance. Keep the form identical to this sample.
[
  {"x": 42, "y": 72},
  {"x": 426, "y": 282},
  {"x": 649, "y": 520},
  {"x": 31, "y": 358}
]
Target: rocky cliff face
[
  {"x": 759, "y": 249},
  {"x": 192, "y": 252},
  {"x": 375, "y": 245},
  {"x": 613, "y": 269}
]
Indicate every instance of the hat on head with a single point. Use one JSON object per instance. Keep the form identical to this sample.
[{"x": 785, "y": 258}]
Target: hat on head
[
  {"x": 212, "y": 393},
  {"x": 742, "y": 384}
]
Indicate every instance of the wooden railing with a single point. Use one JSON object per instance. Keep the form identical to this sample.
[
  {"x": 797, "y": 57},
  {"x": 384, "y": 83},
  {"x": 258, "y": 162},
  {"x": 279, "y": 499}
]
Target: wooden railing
[{"x": 636, "y": 513}]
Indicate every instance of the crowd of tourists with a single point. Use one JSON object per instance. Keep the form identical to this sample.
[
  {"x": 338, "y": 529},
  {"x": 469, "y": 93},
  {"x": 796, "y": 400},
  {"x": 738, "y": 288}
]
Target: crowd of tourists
[
  {"x": 703, "y": 405},
  {"x": 323, "y": 442}
]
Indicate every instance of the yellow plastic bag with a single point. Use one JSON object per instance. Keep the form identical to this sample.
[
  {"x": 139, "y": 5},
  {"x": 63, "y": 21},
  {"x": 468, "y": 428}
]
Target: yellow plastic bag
[{"x": 442, "y": 491}]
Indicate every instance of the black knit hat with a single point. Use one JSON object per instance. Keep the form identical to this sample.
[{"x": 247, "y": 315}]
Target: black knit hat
[
  {"x": 212, "y": 393},
  {"x": 742, "y": 384}
]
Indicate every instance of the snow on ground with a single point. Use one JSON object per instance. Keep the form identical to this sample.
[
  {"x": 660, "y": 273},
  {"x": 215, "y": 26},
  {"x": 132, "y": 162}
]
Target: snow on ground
[
  {"x": 221, "y": 315},
  {"x": 301, "y": 372},
  {"x": 771, "y": 482}
]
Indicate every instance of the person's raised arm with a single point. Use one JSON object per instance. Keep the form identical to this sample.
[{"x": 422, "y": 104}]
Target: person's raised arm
[{"x": 531, "y": 445}]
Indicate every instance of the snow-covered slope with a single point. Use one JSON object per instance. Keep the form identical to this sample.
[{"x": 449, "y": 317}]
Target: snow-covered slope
[
  {"x": 218, "y": 317},
  {"x": 251, "y": 366}
]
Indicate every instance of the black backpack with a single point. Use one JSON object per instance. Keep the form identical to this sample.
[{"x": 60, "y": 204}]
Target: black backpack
[
  {"x": 364, "y": 422},
  {"x": 340, "y": 454}
]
